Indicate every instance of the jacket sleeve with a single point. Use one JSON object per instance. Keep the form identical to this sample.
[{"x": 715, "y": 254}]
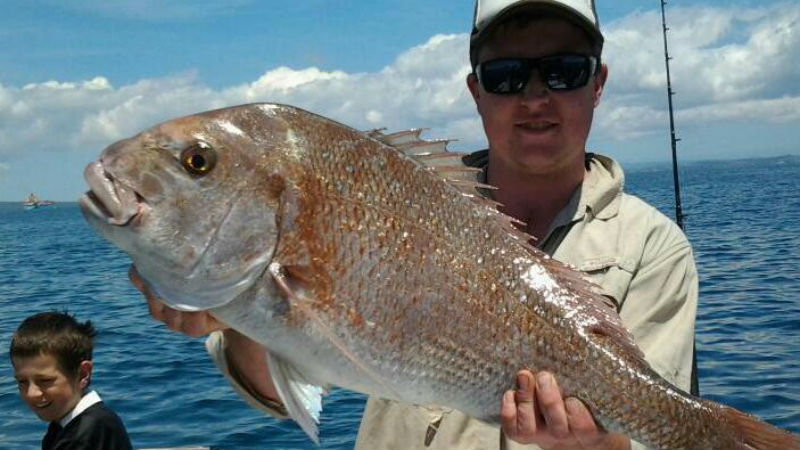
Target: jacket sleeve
[
  {"x": 660, "y": 306},
  {"x": 661, "y": 303},
  {"x": 215, "y": 345}
]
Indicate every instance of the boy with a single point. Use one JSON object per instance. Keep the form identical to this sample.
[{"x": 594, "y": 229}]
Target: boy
[{"x": 52, "y": 357}]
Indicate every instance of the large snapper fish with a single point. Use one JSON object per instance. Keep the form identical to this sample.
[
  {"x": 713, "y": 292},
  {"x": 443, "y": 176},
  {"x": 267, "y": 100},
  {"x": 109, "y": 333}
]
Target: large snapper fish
[{"x": 371, "y": 262}]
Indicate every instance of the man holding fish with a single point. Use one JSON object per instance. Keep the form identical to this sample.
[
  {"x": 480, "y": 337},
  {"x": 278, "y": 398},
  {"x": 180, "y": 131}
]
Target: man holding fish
[{"x": 537, "y": 77}]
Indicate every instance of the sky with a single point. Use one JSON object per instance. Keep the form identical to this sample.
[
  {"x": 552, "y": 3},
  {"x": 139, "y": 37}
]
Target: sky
[{"x": 76, "y": 76}]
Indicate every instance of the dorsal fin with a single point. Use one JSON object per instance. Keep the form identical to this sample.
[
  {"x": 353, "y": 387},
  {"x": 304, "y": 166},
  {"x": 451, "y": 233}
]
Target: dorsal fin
[
  {"x": 421, "y": 147},
  {"x": 375, "y": 133},
  {"x": 398, "y": 138},
  {"x": 434, "y": 155}
]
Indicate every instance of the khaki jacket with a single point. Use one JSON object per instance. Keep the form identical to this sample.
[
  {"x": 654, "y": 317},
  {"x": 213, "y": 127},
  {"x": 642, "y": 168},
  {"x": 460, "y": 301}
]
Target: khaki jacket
[{"x": 641, "y": 260}]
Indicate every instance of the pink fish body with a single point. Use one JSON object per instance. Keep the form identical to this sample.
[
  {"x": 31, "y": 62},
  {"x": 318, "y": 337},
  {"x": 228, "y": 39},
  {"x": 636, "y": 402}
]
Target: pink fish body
[{"x": 371, "y": 262}]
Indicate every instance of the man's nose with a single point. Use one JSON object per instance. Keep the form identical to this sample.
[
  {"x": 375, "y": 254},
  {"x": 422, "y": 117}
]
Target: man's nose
[{"x": 536, "y": 90}]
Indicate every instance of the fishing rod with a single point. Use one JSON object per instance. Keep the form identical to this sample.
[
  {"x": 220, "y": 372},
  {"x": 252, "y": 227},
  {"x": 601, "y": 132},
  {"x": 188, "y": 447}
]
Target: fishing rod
[
  {"x": 674, "y": 140},
  {"x": 695, "y": 382}
]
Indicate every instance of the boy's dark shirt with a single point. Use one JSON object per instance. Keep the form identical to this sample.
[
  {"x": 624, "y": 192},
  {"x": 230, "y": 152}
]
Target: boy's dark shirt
[{"x": 98, "y": 427}]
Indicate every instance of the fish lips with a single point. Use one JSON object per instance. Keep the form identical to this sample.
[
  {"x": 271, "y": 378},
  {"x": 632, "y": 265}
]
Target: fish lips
[
  {"x": 108, "y": 200},
  {"x": 117, "y": 212}
]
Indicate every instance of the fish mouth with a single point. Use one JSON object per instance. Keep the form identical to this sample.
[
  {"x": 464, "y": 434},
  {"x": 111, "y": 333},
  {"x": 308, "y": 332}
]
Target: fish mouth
[{"x": 108, "y": 199}]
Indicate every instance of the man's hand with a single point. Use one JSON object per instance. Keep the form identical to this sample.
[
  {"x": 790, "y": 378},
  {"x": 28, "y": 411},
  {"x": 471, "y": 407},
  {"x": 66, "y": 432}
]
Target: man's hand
[
  {"x": 245, "y": 357},
  {"x": 191, "y": 323},
  {"x": 537, "y": 413}
]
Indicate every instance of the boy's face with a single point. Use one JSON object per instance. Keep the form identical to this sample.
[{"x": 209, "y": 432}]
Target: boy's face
[{"x": 45, "y": 388}]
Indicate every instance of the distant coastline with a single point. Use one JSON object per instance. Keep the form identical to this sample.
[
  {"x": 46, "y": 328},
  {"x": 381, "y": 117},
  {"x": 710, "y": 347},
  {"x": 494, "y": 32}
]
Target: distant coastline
[
  {"x": 631, "y": 167},
  {"x": 56, "y": 203},
  {"x": 655, "y": 165},
  {"x": 784, "y": 158}
]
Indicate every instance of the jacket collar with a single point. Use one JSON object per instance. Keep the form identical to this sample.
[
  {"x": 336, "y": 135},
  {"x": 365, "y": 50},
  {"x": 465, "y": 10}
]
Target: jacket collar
[
  {"x": 601, "y": 189},
  {"x": 598, "y": 195}
]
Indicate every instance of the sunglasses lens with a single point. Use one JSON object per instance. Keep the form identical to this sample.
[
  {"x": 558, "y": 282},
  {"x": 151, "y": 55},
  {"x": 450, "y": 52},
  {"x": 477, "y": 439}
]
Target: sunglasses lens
[
  {"x": 504, "y": 76},
  {"x": 565, "y": 72},
  {"x": 559, "y": 72}
]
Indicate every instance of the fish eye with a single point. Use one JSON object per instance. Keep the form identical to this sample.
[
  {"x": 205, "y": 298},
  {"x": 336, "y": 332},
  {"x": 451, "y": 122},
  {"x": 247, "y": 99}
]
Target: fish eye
[{"x": 199, "y": 158}]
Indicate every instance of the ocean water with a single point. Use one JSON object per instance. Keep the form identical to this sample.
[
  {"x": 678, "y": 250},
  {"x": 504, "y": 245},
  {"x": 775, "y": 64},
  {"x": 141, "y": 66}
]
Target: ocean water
[{"x": 743, "y": 219}]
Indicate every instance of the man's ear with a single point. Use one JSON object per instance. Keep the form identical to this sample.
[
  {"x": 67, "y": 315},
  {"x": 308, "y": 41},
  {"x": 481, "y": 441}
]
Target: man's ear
[
  {"x": 599, "y": 84},
  {"x": 474, "y": 86},
  {"x": 84, "y": 374}
]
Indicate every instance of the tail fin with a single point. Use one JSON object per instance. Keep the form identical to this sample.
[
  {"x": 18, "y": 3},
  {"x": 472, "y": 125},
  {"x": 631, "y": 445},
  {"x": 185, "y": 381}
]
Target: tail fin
[{"x": 758, "y": 434}]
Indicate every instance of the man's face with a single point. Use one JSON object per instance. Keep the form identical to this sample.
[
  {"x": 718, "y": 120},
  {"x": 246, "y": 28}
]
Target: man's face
[
  {"x": 47, "y": 391},
  {"x": 537, "y": 131}
]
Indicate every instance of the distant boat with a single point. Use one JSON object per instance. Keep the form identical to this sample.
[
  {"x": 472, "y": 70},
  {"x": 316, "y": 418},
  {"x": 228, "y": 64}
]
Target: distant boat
[{"x": 33, "y": 202}]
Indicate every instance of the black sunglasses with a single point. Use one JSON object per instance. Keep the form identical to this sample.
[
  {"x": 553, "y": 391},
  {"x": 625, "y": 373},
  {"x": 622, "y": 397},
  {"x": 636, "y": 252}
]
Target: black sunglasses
[{"x": 563, "y": 72}]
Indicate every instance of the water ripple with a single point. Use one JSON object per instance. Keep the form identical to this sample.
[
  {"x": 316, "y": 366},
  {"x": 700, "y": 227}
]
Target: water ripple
[{"x": 743, "y": 222}]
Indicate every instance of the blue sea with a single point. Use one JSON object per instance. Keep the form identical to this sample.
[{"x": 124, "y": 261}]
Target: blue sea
[{"x": 743, "y": 219}]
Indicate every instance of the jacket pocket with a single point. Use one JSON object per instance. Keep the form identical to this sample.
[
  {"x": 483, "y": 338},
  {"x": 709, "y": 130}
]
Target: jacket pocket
[{"x": 611, "y": 275}]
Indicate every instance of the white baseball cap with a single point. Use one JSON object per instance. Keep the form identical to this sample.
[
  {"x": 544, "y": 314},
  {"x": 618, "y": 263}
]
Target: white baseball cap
[{"x": 488, "y": 13}]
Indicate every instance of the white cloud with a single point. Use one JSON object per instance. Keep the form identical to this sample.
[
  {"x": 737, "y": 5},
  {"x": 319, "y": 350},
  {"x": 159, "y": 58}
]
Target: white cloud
[
  {"x": 778, "y": 111},
  {"x": 730, "y": 65},
  {"x": 285, "y": 79},
  {"x": 423, "y": 87}
]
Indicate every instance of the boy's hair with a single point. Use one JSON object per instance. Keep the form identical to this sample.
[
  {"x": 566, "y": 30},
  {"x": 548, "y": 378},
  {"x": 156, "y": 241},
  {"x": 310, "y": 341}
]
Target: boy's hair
[{"x": 57, "y": 334}]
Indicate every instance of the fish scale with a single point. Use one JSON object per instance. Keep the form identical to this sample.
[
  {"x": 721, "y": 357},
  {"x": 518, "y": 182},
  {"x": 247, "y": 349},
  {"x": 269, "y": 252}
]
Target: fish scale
[
  {"x": 445, "y": 227},
  {"x": 372, "y": 262},
  {"x": 436, "y": 260}
]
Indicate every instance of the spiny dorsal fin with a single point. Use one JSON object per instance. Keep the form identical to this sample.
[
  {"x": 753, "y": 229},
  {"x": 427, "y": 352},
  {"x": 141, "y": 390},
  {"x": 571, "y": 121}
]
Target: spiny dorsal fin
[
  {"x": 419, "y": 148},
  {"x": 375, "y": 133},
  {"x": 434, "y": 155},
  {"x": 399, "y": 137},
  {"x": 449, "y": 166}
]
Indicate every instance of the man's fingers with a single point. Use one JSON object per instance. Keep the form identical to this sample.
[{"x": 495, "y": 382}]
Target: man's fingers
[
  {"x": 156, "y": 308},
  {"x": 139, "y": 284},
  {"x": 536, "y": 412},
  {"x": 525, "y": 406},
  {"x": 172, "y": 318},
  {"x": 133, "y": 275},
  {"x": 551, "y": 405},
  {"x": 201, "y": 323},
  {"x": 508, "y": 413},
  {"x": 192, "y": 323},
  {"x": 517, "y": 413},
  {"x": 198, "y": 324},
  {"x": 581, "y": 423}
]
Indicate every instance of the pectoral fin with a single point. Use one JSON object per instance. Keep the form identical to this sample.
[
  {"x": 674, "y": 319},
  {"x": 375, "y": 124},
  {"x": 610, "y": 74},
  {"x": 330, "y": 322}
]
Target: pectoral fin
[{"x": 303, "y": 400}]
